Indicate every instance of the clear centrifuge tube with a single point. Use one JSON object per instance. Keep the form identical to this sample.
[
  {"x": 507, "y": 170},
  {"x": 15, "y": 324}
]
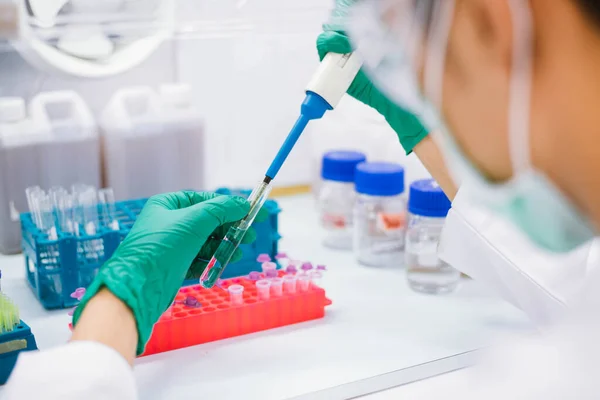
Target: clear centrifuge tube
[
  {"x": 234, "y": 236},
  {"x": 106, "y": 198},
  {"x": 89, "y": 204},
  {"x": 33, "y": 195},
  {"x": 64, "y": 213}
]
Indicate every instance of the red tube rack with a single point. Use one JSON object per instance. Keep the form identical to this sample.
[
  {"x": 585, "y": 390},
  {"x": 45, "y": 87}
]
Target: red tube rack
[{"x": 217, "y": 319}]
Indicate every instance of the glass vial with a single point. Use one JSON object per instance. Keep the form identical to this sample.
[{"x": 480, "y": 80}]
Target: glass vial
[
  {"x": 425, "y": 272},
  {"x": 379, "y": 215},
  {"x": 336, "y": 197}
]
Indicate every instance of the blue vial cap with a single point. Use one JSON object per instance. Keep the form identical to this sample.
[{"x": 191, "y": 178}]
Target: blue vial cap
[
  {"x": 379, "y": 179},
  {"x": 427, "y": 199},
  {"x": 340, "y": 166}
]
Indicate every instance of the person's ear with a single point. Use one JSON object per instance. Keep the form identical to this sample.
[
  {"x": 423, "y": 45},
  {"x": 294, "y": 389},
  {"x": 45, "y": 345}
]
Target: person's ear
[{"x": 493, "y": 28}]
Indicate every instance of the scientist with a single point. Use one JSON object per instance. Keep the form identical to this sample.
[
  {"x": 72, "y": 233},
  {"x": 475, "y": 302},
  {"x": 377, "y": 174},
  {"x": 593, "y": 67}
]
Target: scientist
[
  {"x": 512, "y": 89},
  {"x": 510, "y": 101},
  {"x": 508, "y": 90}
]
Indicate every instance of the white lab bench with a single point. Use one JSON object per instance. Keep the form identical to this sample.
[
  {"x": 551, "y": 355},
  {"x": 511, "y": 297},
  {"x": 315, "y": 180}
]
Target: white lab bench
[{"x": 377, "y": 334}]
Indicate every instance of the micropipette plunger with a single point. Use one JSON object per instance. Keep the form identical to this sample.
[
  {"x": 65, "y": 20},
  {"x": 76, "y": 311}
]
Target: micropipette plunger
[{"x": 329, "y": 84}]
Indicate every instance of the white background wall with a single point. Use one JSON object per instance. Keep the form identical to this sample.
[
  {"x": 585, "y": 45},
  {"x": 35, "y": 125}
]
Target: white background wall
[{"x": 247, "y": 62}]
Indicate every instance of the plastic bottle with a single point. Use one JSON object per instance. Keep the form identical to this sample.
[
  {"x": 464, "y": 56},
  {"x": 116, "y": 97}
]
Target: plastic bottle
[
  {"x": 140, "y": 159},
  {"x": 184, "y": 123},
  {"x": 379, "y": 214},
  {"x": 19, "y": 168},
  {"x": 427, "y": 207},
  {"x": 71, "y": 153},
  {"x": 336, "y": 197}
]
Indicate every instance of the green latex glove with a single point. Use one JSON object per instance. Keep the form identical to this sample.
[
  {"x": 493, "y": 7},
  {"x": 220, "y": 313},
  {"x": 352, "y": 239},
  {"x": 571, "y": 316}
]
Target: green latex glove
[
  {"x": 172, "y": 236},
  {"x": 409, "y": 129}
]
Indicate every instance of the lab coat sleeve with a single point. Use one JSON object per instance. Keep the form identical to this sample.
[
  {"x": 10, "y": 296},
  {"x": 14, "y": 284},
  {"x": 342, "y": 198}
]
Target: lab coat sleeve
[
  {"x": 78, "y": 370},
  {"x": 491, "y": 250}
]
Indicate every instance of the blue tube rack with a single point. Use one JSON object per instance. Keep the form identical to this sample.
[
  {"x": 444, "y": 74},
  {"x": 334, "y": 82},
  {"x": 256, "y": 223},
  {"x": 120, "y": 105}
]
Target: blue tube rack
[
  {"x": 11, "y": 344},
  {"x": 55, "y": 268}
]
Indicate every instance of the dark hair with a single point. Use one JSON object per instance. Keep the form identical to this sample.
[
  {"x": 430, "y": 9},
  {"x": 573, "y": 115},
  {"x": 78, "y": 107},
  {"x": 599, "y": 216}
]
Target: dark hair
[{"x": 591, "y": 8}]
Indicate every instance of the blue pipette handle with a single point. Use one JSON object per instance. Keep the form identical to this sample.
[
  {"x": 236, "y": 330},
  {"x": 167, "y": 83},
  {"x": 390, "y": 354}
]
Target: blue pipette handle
[{"x": 313, "y": 107}]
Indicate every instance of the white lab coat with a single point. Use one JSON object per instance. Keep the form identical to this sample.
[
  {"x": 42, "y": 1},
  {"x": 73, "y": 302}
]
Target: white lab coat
[
  {"x": 75, "y": 371},
  {"x": 491, "y": 250},
  {"x": 483, "y": 246}
]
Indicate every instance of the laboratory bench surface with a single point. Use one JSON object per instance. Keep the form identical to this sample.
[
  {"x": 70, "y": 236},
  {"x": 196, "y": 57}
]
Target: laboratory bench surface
[{"x": 376, "y": 335}]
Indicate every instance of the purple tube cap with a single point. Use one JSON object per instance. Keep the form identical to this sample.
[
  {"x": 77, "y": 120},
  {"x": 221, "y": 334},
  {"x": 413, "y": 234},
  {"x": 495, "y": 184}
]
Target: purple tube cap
[
  {"x": 78, "y": 293},
  {"x": 192, "y": 302},
  {"x": 306, "y": 266},
  {"x": 279, "y": 256},
  {"x": 271, "y": 273},
  {"x": 254, "y": 276},
  {"x": 321, "y": 268},
  {"x": 263, "y": 258},
  {"x": 291, "y": 269}
]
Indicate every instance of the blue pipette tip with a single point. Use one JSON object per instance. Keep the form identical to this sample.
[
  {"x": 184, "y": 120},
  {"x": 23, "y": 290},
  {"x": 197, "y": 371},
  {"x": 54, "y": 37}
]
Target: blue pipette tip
[{"x": 313, "y": 107}]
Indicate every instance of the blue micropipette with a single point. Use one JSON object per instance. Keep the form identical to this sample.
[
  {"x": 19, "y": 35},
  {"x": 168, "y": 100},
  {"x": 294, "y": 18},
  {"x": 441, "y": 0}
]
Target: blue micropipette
[{"x": 331, "y": 81}]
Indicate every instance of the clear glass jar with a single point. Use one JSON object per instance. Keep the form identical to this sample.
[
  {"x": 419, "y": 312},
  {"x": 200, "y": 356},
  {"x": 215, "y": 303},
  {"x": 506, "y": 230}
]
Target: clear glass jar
[
  {"x": 336, "y": 197},
  {"x": 379, "y": 215},
  {"x": 336, "y": 202},
  {"x": 425, "y": 272}
]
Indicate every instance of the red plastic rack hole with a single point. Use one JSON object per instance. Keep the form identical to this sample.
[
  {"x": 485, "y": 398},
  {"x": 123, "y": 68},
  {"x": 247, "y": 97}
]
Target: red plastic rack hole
[
  {"x": 209, "y": 309},
  {"x": 180, "y": 314},
  {"x": 216, "y": 302},
  {"x": 184, "y": 290},
  {"x": 250, "y": 301},
  {"x": 223, "y": 306},
  {"x": 195, "y": 312}
]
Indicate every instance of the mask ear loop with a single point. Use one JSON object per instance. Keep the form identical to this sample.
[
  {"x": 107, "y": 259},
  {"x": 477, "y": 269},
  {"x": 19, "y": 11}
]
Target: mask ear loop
[
  {"x": 520, "y": 88},
  {"x": 437, "y": 46}
]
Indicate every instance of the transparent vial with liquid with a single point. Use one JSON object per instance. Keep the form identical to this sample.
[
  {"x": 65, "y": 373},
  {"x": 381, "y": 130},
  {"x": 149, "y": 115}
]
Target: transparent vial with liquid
[
  {"x": 425, "y": 272},
  {"x": 379, "y": 215},
  {"x": 336, "y": 197}
]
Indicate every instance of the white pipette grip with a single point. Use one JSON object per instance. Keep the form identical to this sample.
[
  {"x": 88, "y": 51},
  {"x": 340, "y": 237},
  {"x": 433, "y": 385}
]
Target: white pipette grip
[{"x": 334, "y": 76}]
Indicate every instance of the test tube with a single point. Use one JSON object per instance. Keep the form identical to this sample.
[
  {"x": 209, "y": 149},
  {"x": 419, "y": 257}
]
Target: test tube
[
  {"x": 315, "y": 278},
  {"x": 77, "y": 191},
  {"x": 289, "y": 283},
  {"x": 263, "y": 288},
  {"x": 234, "y": 236},
  {"x": 277, "y": 287},
  {"x": 64, "y": 213},
  {"x": 282, "y": 259},
  {"x": 236, "y": 294},
  {"x": 106, "y": 198},
  {"x": 306, "y": 267},
  {"x": 271, "y": 273},
  {"x": 89, "y": 206},
  {"x": 291, "y": 270},
  {"x": 33, "y": 193},
  {"x": 47, "y": 216},
  {"x": 269, "y": 266},
  {"x": 303, "y": 282}
]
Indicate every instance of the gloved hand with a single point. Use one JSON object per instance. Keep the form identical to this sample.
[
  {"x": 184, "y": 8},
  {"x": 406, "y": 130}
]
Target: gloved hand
[
  {"x": 409, "y": 129},
  {"x": 168, "y": 242}
]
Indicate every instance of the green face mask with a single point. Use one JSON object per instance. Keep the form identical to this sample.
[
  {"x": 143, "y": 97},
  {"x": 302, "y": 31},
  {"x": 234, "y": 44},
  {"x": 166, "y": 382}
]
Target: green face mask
[{"x": 529, "y": 200}]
